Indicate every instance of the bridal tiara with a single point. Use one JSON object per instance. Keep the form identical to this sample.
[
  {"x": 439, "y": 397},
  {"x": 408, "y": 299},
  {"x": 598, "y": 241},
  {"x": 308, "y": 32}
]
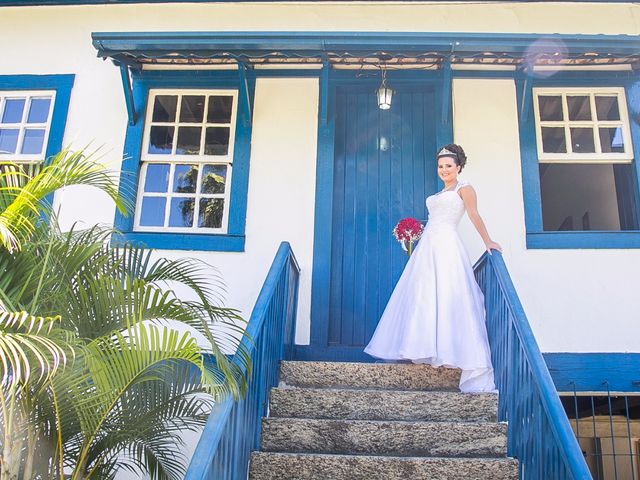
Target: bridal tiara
[{"x": 446, "y": 153}]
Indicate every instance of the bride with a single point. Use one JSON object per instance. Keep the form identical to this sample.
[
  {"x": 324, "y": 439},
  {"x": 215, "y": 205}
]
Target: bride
[{"x": 436, "y": 312}]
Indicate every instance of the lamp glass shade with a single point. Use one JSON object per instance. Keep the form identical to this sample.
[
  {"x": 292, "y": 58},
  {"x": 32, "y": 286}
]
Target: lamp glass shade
[{"x": 384, "y": 97}]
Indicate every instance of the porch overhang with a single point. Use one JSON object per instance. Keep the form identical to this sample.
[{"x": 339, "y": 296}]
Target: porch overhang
[{"x": 361, "y": 49}]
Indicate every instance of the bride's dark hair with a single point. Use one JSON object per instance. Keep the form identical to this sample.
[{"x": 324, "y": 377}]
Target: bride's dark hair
[{"x": 460, "y": 158}]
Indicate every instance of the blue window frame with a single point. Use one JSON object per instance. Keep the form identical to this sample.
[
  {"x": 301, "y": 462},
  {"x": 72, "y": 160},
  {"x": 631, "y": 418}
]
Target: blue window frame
[
  {"x": 61, "y": 85},
  {"x": 536, "y": 235},
  {"x": 233, "y": 237}
]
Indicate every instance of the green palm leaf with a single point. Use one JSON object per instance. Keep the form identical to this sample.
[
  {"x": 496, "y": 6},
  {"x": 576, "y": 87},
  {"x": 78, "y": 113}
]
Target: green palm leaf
[
  {"x": 22, "y": 196},
  {"x": 28, "y": 342}
]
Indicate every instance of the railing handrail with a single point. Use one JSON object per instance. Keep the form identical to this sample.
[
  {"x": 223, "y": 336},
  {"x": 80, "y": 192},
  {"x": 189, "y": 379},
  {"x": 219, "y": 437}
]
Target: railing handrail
[
  {"x": 259, "y": 311},
  {"x": 212, "y": 434},
  {"x": 560, "y": 427}
]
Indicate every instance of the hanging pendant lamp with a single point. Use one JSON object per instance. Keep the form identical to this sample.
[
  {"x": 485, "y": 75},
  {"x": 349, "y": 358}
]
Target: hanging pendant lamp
[{"x": 384, "y": 93}]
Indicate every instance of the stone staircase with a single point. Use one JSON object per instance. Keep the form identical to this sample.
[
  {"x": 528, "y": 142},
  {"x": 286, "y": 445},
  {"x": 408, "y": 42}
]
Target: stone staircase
[{"x": 360, "y": 421}]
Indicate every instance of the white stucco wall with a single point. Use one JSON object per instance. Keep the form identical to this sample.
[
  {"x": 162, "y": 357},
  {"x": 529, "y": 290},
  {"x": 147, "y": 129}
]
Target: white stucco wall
[
  {"x": 576, "y": 300},
  {"x": 568, "y": 294}
]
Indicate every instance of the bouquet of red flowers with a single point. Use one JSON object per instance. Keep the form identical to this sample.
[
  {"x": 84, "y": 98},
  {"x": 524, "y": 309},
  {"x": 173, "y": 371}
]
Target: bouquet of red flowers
[{"x": 407, "y": 231}]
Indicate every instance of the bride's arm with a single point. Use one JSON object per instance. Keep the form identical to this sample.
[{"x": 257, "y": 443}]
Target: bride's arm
[{"x": 470, "y": 200}]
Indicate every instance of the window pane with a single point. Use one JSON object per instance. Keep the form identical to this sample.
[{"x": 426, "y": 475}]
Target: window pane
[
  {"x": 185, "y": 178},
  {"x": 553, "y": 140},
  {"x": 152, "y": 213},
  {"x": 550, "y": 108},
  {"x": 39, "y": 110},
  {"x": 611, "y": 140},
  {"x": 582, "y": 140},
  {"x": 192, "y": 108},
  {"x": 160, "y": 140},
  {"x": 188, "y": 141},
  {"x": 607, "y": 108},
  {"x": 157, "y": 178},
  {"x": 13, "y": 108},
  {"x": 164, "y": 108},
  {"x": 8, "y": 140},
  {"x": 181, "y": 214},
  {"x": 587, "y": 197},
  {"x": 32, "y": 141},
  {"x": 217, "y": 141},
  {"x": 219, "y": 109},
  {"x": 579, "y": 108},
  {"x": 211, "y": 210},
  {"x": 214, "y": 178}
]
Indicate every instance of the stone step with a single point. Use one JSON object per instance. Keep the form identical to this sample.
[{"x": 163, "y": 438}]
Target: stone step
[
  {"x": 382, "y": 405},
  {"x": 367, "y": 437},
  {"x": 292, "y": 466},
  {"x": 399, "y": 376}
]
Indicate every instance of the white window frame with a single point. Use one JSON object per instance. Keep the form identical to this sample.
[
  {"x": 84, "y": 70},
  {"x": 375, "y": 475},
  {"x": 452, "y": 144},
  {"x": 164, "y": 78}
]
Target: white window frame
[
  {"x": 173, "y": 160},
  {"x": 593, "y": 124},
  {"x": 23, "y": 125}
]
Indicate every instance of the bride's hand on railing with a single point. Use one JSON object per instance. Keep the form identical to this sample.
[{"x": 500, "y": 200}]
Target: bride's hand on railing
[{"x": 491, "y": 245}]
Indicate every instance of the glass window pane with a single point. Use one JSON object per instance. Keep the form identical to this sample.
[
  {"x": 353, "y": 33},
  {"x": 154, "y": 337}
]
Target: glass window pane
[
  {"x": 157, "y": 178},
  {"x": 582, "y": 140},
  {"x": 185, "y": 178},
  {"x": 579, "y": 108},
  {"x": 39, "y": 110},
  {"x": 188, "y": 141},
  {"x": 181, "y": 214},
  {"x": 152, "y": 212},
  {"x": 13, "y": 108},
  {"x": 32, "y": 141},
  {"x": 553, "y": 140},
  {"x": 214, "y": 178},
  {"x": 160, "y": 140},
  {"x": 550, "y": 107},
  {"x": 211, "y": 210},
  {"x": 192, "y": 108},
  {"x": 611, "y": 140},
  {"x": 607, "y": 108},
  {"x": 164, "y": 108},
  {"x": 8, "y": 140},
  {"x": 587, "y": 197},
  {"x": 219, "y": 109},
  {"x": 217, "y": 141}
]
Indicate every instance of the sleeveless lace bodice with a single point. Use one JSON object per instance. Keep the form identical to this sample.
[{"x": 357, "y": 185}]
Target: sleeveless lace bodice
[{"x": 445, "y": 208}]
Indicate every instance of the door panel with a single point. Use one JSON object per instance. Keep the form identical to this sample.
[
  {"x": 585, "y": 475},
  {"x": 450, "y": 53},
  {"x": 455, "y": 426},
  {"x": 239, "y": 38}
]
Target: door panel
[{"x": 383, "y": 171}]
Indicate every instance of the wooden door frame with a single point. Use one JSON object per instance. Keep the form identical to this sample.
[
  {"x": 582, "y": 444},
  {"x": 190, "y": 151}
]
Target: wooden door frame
[{"x": 323, "y": 221}]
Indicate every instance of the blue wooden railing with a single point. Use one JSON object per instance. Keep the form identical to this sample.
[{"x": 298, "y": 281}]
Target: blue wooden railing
[
  {"x": 540, "y": 435},
  {"x": 233, "y": 428}
]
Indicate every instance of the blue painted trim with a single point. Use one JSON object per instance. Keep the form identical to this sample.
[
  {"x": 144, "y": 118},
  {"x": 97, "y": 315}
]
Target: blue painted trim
[
  {"x": 150, "y": 44},
  {"x": 62, "y": 84},
  {"x": 321, "y": 271},
  {"x": 143, "y": 81},
  {"x": 128, "y": 94},
  {"x": 591, "y": 239},
  {"x": 536, "y": 237},
  {"x": 323, "y": 225},
  {"x": 594, "y": 372},
  {"x": 447, "y": 101},
  {"x": 181, "y": 241}
]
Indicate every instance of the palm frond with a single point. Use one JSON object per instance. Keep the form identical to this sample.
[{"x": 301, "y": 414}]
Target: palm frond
[
  {"x": 27, "y": 341},
  {"x": 23, "y": 196}
]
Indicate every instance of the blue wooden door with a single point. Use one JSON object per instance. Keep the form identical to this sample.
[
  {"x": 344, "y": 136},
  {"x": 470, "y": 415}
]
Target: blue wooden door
[{"x": 383, "y": 171}]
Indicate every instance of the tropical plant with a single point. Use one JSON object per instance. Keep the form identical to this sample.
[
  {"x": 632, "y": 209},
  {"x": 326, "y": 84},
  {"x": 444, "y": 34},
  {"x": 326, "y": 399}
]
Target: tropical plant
[{"x": 124, "y": 323}]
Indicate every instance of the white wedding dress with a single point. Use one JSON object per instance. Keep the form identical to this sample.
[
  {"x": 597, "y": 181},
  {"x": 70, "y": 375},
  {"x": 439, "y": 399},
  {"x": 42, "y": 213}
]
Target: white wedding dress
[{"x": 436, "y": 312}]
